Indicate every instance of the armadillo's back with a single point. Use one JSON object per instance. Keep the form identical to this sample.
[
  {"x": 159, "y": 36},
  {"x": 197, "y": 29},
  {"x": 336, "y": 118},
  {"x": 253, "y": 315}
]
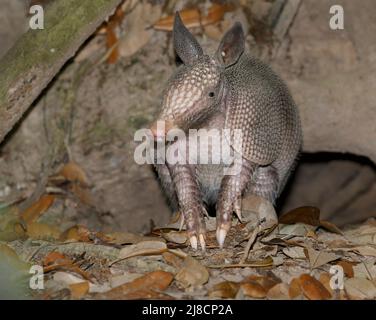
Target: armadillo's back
[{"x": 261, "y": 105}]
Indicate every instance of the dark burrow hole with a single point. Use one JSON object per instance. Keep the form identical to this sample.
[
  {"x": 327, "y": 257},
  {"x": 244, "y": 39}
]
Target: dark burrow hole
[{"x": 342, "y": 186}]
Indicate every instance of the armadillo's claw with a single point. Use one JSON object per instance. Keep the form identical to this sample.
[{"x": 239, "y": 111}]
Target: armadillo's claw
[
  {"x": 221, "y": 236},
  {"x": 193, "y": 241},
  {"x": 202, "y": 242},
  {"x": 181, "y": 223},
  {"x": 238, "y": 209}
]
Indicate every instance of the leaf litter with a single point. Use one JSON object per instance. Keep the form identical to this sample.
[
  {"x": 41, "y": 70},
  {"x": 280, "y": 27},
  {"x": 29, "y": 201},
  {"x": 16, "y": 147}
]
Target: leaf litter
[{"x": 260, "y": 260}]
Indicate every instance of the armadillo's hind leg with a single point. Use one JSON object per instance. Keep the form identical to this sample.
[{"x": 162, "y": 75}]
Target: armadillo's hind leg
[{"x": 265, "y": 183}]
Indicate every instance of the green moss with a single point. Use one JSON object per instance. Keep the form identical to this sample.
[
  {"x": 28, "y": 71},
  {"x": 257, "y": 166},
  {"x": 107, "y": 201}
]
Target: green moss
[{"x": 65, "y": 21}]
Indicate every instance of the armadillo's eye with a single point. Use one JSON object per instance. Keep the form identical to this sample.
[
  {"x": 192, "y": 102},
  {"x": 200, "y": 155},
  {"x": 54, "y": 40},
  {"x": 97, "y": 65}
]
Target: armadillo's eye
[{"x": 211, "y": 94}]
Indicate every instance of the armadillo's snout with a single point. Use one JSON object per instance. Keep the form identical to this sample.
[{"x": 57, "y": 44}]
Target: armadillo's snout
[{"x": 160, "y": 128}]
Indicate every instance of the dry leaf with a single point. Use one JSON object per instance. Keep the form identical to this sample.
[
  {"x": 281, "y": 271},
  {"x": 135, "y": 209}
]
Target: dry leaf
[
  {"x": 325, "y": 281},
  {"x": 111, "y": 43},
  {"x": 137, "y": 34},
  {"x": 119, "y": 280},
  {"x": 55, "y": 258},
  {"x": 253, "y": 290},
  {"x": 82, "y": 193},
  {"x": 153, "y": 281},
  {"x": 78, "y": 290},
  {"x": 330, "y": 227},
  {"x": 179, "y": 237},
  {"x": 173, "y": 260},
  {"x": 226, "y": 290},
  {"x": 32, "y": 213},
  {"x": 313, "y": 289},
  {"x": 366, "y": 250},
  {"x": 297, "y": 230},
  {"x": 122, "y": 238},
  {"x": 318, "y": 258},
  {"x": 267, "y": 282},
  {"x": 42, "y": 231},
  {"x": 146, "y": 294},
  {"x": 295, "y": 290},
  {"x": 307, "y": 215},
  {"x": 294, "y": 252},
  {"x": 74, "y": 173},
  {"x": 67, "y": 278},
  {"x": 365, "y": 270},
  {"x": 76, "y": 233},
  {"x": 360, "y": 288},
  {"x": 278, "y": 292},
  {"x": 192, "y": 274},
  {"x": 143, "y": 248},
  {"x": 193, "y": 18},
  {"x": 347, "y": 268}
]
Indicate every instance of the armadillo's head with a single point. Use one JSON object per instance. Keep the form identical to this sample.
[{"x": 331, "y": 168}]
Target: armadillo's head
[{"x": 198, "y": 88}]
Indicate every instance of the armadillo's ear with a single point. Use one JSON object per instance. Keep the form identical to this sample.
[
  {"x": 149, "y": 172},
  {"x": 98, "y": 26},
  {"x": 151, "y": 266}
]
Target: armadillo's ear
[
  {"x": 231, "y": 46},
  {"x": 186, "y": 46}
]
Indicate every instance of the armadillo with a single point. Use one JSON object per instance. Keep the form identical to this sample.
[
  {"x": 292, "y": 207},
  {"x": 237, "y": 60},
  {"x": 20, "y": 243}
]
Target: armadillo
[{"x": 227, "y": 90}]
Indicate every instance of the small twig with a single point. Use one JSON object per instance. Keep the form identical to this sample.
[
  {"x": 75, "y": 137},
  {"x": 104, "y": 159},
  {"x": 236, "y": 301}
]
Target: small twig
[{"x": 250, "y": 243}]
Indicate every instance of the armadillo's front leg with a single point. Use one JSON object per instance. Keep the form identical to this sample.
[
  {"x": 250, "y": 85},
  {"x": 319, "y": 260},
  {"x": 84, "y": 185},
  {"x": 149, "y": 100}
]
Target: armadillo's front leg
[
  {"x": 229, "y": 199},
  {"x": 190, "y": 203}
]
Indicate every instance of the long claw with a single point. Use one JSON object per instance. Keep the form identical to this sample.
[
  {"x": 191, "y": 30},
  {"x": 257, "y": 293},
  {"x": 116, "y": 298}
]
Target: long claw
[
  {"x": 238, "y": 209},
  {"x": 193, "y": 241},
  {"x": 202, "y": 242},
  {"x": 181, "y": 223},
  {"x": 221, "y": 236}
]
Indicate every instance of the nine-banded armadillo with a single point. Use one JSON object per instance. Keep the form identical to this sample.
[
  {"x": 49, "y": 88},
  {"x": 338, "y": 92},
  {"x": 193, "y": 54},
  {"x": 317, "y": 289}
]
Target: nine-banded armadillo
[{"x": 229, "y": 90}]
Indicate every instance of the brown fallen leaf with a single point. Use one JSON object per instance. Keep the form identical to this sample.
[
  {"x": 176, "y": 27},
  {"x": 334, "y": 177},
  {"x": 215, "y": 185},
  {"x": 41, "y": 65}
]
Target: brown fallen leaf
[
  {"x": 143, "y": 248},
  {"x": 78, "y": 290},
  {"x": 137, "y": 23},
  {"x": 193, "y": 18},
  {"x": 179, "y": 237},
  {"x": 72, "y": 172},
  {"x": 111, "y": 38},
  {"x": 173, "y": 260},
  {"x": 360, "y": 288},
  {"x": 146, "y": 294},
  {"x": 347, "y": 268},
  {"x": 308, "y": 215},
  {"x": 253, "y": 290},
  {"x": 111, "y": 43},
  {"x": 32, "y": 213},
  {"x": 226, "y": 290},
  {"x": 76, "y": 233},
  {"x": 313, "y": 289},
  {"x": 366, "y": 250},
  {"x": 153, "y": 281},
  {"x": 83, "y": 194},
  {"x": 42, "y": 231},
  {"x": 329, "y": 226},
  {"x": 295, "y": 290},
  {"x": 278, "y": 292},
  {"x": 294, "y": 252},
  {"x": 325, "y": 278},
  {"x": 56, "y": 258},
  {"x": 122, "y": 238},
  {"x": 192, "y": 274},
  {"x": 267, "y": 282},
  {"x": 318, "y": 258},
  {"x": 365, "y": 270}
]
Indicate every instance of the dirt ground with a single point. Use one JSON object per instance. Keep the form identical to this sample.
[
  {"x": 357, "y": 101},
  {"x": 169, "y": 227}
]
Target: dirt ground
[{"x": 68, "y": 166}]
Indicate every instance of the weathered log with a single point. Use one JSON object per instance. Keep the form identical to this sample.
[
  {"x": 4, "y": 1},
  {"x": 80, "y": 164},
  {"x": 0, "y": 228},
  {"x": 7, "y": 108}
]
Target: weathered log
[{"x": 38, "y": 55}]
